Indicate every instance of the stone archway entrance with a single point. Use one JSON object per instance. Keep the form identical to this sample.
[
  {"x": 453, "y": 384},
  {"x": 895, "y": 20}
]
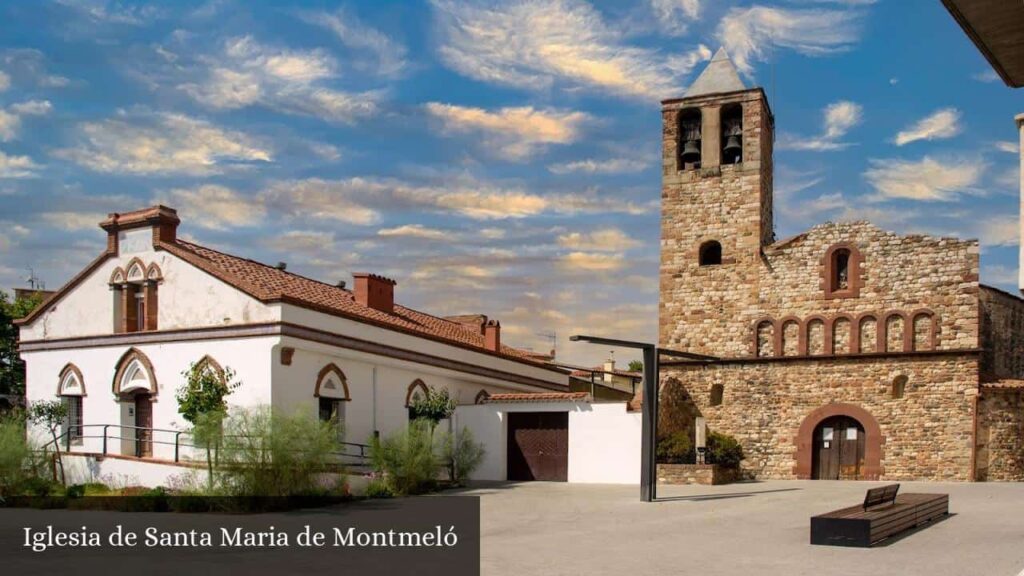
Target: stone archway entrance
[
  {"x": 854, "y": 449},
  {"x": 838, "y": 449}
]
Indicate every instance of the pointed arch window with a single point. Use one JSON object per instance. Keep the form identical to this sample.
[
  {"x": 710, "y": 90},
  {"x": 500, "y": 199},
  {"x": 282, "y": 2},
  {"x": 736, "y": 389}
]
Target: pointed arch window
[
  {"x": 841, "y": 271},
  {"x": 332, "y": 396},
  {"x": 71, "y": 390},
  {"x": 135, "y": 296},
  {"x": 134, "y": 375}
]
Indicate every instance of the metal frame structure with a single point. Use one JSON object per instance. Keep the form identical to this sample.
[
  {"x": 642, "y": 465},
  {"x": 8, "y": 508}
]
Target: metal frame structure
[{"x": 649, "y": 410}]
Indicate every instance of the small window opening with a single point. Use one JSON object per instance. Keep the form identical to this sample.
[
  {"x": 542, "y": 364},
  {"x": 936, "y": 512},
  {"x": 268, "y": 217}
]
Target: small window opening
[
  {"x": 899, "y": 387},
  {"x": 717, "y": 392},
  {"x": 841, "y": 270},
  {"x": 710, "y": 253}
]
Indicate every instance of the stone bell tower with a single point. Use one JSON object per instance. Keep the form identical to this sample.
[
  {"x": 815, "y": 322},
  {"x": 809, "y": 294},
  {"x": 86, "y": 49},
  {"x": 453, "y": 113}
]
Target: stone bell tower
[{"x": 716, "y": 211}]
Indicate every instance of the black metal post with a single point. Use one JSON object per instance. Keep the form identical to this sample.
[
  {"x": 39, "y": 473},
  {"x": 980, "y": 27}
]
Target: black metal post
[{"x": 649, "y": 427}]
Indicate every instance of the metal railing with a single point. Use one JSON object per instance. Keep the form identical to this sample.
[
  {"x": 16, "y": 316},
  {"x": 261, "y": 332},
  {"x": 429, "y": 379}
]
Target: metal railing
[{"x": 358, "y": 453}]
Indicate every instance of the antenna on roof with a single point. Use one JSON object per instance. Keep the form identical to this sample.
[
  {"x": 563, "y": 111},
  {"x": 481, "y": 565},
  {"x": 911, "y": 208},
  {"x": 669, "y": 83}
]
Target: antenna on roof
[
  {"x": 33, "y": 281},
  {"x": 551, "y": 336}
]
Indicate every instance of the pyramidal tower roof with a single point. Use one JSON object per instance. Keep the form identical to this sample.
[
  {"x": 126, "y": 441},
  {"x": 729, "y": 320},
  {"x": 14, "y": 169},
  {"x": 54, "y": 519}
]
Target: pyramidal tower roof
[{"x": 719, "y": 76}]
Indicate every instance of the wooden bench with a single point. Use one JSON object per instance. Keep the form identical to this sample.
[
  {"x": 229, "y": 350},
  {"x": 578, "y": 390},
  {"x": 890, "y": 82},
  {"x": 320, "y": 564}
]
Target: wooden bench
[{"x": 884, "y": 514}]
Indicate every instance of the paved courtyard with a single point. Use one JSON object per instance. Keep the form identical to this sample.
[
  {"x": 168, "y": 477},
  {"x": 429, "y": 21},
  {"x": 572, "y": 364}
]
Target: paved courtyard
[{"x": 757, "y": 528}]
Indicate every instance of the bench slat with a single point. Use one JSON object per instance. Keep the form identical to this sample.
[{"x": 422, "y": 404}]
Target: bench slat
[{"x": 855, "y": 526}]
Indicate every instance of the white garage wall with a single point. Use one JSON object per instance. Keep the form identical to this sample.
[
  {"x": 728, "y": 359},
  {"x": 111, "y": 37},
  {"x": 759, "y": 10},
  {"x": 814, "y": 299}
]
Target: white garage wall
[{"x": 604, "y": 439}]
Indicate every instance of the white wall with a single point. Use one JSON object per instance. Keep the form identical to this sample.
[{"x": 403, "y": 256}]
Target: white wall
[
  {"x": 604, "y": 439},
  {"x": 248, "y": 357},
  {"x": 188, "y": 298},
  {"x": 379, "y": 406}
]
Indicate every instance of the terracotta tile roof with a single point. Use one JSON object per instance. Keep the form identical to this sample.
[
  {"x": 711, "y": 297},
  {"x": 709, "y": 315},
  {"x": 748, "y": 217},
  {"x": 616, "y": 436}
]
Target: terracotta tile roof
[
  {"x": 269, "y": 284},
  {"x": 538, "y": 397},
  {"x": 1005, "y": 384}
]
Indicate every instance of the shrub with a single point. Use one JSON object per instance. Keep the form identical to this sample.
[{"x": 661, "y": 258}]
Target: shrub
[
  {"x": 724, "y": 450},
  {"x": 265, "y": 453},
  {"x": 406, "y": 459},
  {"x": 461, "y": 454},
  {"x": 675, "y": 448},
  {"x": 16, "y": 457},
  {"x": 437, "y": 405},
  {"x": 75, "y": 491},
  {"x": 378, "y": 489}
]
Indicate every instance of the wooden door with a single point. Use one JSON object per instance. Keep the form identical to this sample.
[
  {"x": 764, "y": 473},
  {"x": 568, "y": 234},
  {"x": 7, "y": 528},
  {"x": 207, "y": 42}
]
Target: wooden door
[
  {"x": 838, "y": 449},
  {"x": 538, "y": 446},
  {"x": 144, "y": 425}
]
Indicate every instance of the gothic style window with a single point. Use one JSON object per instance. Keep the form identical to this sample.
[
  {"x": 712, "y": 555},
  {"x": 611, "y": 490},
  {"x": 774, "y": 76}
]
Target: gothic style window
[
  {"x": 841, "y": 269},
  {"x": 134, "y": 375},
  {"x": 332, "y": 394},
  {"x": 135, "y": 297},
  {"x": 710, "y": 253},
  {"x": 71, "y": 389}
]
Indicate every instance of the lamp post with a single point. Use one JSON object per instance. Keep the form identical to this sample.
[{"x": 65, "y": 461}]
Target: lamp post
[{"x": 649, "y": 410}]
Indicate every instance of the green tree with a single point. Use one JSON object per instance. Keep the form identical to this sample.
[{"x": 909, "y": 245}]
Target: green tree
[
  {"x": 51, "y": 414},
  {"x": 12, "y": 369},
  {"x": 636, "y": 366},
  {"x": 201, "y": 402},
  {"x": 435, "y": 406}
]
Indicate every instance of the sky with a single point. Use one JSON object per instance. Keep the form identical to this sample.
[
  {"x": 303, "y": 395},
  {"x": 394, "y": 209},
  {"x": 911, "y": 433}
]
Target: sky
[{"x": 492, "y": 157}]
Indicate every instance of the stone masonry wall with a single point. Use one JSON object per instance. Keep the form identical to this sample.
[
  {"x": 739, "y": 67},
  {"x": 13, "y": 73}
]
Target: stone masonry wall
[
  {"x": 1002, "y": 334},
  {"x": 1001, "y": 434},
  {"x": 928, "y": 432}
]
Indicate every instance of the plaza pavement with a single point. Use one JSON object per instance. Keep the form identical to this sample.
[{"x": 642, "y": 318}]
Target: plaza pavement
[{"x": 759, "y": 528}]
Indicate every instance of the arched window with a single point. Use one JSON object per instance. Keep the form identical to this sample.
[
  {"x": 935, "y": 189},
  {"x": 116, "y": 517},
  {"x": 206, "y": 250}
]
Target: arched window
[
  {"x": 764, "y": 339},
  {"x": 71, "y": 389},
  {"x": 710, "y": 253},
  {"x": 134, "y": 374},
  {"x": 481, "y": 397},
  {"x": 690, "y": 139},
  {"x": 332, "y": 395},
  {"x": 135, "y": 296},
  {"x": 732, "y": 134},
  {"x": 416, "y": 391},
  {"x": 841, "y": 271},
  {"x": 899, "y": 386},
  {"x": 717, "y": 394}
]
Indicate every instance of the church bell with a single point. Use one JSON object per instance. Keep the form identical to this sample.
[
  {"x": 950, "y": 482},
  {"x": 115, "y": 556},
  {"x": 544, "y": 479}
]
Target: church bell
[
  {"x": 691, "y": 152},
  {"x": 732, "y": 146}
]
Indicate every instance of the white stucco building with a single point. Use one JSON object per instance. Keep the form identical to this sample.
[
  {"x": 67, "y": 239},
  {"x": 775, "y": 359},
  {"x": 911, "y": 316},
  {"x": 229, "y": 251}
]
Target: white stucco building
[{"x": 114, "y": 343}]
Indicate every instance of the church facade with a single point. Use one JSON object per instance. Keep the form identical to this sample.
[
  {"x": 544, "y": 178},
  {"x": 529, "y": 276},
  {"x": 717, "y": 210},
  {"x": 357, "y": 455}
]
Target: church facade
[{"x": 845, "y": 352}]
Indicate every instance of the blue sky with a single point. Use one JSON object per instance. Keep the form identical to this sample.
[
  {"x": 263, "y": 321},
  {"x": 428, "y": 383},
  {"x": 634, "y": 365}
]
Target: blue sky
[{"x": 495, "y": 157}]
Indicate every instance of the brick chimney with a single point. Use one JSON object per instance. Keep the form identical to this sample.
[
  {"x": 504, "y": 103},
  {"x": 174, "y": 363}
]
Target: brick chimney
[
  {"x": 375, "y": 291},
  {"x": 492, "y": 335},
  {"x": 163, "y": 221}
]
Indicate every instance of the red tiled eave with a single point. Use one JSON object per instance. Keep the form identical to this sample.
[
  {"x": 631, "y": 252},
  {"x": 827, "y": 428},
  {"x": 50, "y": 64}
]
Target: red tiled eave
[{"x": 538, "y": 397}]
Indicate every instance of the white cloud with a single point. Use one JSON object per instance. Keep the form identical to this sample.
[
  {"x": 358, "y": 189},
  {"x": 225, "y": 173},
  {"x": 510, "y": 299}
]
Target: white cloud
[
  {"x": 302, "y": 241},
  {"x": 214, "y": 207},
  {"x": 987, "y": 76},
  {"x": 593, "y": 262},
  {"x": 534, "y": 44},
  {"x": 113, "y": 12},
  {"x": 999, "y": 231},
  {"x": 515, "y": 132},
  {"x": 1008, "y": 147},
  {"x": 750, "y": 34},
  {"x": 673, "y": 15},
  {"x": 291, "y": 81},
  {"x": 10, "y": 120},
  {"x": 162, "y": 144},
  {"x": 1000, "y": 275},
  {"x": 607, "y": 240},
  {"x": 389, "y": 55},
  {"x": 27, "y": 66},
  {"x": 415, "y": 231},
  {"x": 600, "y": 166},
  {"x": 927, "y": 179},
  {"x": 75, "y": 221},
  {"x": 5, "y": 81},
  {"x": 339, "y": 200},
  {"x": 17, "y": 166},
  {"x": 944, "y": 123},
  {"x": 839, "y": 118}
]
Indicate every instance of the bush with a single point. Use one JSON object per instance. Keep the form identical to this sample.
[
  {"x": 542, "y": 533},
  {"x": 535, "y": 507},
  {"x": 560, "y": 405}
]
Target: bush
[
  {"x": 675, "y": 448},
  {"x": 461, "y": 454},
  {"x": 75, "y": 491},
  {"x": 724, "y": 450},
  {"x": 20, "y": 466},
  {"x": 265, "y": 453},
  {"x": 378, "y": 489},
  {"x": 406, "y": 460}
]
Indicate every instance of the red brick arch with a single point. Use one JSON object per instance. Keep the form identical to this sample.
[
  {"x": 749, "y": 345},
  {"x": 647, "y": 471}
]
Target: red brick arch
[{"x": 873, "y": 440}]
